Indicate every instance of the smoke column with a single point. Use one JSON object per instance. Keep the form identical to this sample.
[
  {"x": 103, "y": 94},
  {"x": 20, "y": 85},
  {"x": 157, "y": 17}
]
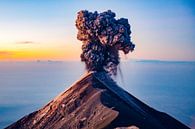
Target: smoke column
[{"x": 103, "y": 36}]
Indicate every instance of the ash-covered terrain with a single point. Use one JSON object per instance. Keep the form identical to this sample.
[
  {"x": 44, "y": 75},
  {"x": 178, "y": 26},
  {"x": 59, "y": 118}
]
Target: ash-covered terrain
[{"x": 96, "y": 102}]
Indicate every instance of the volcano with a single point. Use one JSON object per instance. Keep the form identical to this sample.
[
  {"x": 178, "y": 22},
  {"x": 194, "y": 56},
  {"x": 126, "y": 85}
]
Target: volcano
[{"x": 96, "y": 102}]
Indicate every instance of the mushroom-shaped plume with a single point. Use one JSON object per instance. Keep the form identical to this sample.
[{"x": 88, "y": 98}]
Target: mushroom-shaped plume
[{"x": 103, "y": 36}]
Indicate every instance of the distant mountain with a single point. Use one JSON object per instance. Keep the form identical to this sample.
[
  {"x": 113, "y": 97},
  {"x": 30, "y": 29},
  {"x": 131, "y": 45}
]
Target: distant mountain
[
  {"x": 95, "y": 102},
  {"x": 164, "y": 61}
]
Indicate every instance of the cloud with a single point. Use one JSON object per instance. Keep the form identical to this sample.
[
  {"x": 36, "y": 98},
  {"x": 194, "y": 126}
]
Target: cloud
[
  {"x": 103, "y": 36},
  {"x": 25, "y": 42},
  {"x": 6, "y": 53}
]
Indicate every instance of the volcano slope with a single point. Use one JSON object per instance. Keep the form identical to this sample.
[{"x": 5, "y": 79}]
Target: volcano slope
[{"x": 95, "y": 102}]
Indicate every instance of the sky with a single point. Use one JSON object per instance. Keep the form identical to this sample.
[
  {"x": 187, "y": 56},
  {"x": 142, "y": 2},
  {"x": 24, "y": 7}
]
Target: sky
[{"x": 45, "y": 29}]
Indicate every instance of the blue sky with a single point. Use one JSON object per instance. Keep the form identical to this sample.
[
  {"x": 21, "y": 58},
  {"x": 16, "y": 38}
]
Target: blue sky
[{"x": 161, "y": 29}]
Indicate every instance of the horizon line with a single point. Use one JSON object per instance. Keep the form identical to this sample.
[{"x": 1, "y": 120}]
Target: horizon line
[{"x": 76, "y": 60}]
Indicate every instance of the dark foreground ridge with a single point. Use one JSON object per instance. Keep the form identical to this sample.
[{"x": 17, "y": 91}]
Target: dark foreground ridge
[{"x": 96, "y": 102}]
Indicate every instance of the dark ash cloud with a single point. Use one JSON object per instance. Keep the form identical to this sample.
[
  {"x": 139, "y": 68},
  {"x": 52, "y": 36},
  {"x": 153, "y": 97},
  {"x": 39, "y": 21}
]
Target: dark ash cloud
[{"x": 103, "y": 36}]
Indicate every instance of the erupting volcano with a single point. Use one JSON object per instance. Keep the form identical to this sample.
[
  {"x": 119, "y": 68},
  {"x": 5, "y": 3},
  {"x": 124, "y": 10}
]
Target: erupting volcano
[{"x": 95, "y": 101}]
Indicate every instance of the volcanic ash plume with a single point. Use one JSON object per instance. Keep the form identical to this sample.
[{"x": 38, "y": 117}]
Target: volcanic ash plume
[{"x": 103, "y": 36}]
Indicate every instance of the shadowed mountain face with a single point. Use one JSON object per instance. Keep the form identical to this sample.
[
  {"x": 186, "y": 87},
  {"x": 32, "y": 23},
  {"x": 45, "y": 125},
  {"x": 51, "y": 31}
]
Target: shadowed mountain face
[{"x": 96, "y": 102}]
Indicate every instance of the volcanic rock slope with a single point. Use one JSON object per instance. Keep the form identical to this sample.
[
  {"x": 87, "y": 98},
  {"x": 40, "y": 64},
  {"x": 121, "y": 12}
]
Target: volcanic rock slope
[{"x": 95, "y": 102}]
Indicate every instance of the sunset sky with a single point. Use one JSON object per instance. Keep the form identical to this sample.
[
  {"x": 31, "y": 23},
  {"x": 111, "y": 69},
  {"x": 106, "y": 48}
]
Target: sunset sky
[{"x": 45, "y": 29}]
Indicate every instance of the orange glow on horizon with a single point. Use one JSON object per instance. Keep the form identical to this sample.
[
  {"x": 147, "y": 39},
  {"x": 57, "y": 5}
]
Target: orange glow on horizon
[{"x": 66, "y": 52}]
